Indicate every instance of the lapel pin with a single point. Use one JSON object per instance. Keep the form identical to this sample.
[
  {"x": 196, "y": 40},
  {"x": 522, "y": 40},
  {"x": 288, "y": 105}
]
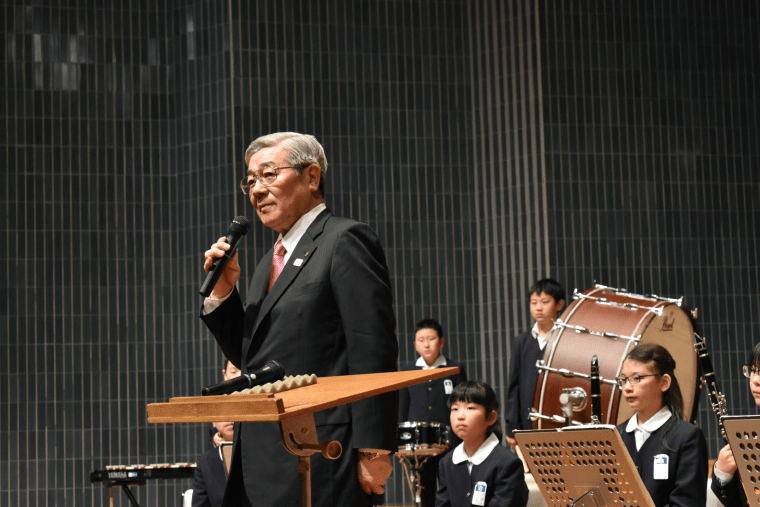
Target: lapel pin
[{"x": 297, "y": 262}]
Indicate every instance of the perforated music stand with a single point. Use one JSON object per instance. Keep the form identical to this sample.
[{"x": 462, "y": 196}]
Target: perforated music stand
[
  {"x": 585, "y": 466},
  {"x": 293, "y": 409},
  {"x": 743, "y": 433}
]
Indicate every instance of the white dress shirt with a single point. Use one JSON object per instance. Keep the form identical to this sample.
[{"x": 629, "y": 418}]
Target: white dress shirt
[
  {"x": 542, "y": 340},
  {"x": 441, "y": 361}
]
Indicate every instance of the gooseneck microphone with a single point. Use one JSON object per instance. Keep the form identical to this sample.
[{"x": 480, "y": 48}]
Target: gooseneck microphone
[
  {"x": 270, "y": 372},
  {"x": 238, "y": 229}
]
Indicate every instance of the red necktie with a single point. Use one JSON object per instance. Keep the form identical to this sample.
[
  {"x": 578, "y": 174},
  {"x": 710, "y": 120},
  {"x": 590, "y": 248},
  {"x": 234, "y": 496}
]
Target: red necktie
[{"x": 278, "y": 262}]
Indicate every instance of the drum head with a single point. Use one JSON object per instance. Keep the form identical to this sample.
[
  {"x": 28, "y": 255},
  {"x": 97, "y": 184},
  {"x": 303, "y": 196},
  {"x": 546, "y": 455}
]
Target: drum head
[{"x": 674, "y": 331}]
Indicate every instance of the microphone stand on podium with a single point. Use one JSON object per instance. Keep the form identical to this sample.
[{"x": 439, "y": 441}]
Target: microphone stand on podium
[{"x": 293, "y": 410}]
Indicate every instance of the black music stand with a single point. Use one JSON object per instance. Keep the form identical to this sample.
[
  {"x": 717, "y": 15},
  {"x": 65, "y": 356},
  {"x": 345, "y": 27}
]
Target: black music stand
[
  {"x": 743, "y": 434},
  {"x": 583, "y": 466}
]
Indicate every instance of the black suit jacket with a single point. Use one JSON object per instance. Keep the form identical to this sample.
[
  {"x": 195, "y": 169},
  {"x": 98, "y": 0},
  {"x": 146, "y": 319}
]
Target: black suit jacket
[
  {"x": 209, "y": 481},
  {"x": 329, "y": 313},
  {"x": 686, "y": 484}
]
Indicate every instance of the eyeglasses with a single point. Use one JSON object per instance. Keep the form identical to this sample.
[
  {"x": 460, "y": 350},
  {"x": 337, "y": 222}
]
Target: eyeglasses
[
  {"x": 750, "y": 370},
  {"x": 633, "y": 379},
  {"x": 265, "y": 176}
]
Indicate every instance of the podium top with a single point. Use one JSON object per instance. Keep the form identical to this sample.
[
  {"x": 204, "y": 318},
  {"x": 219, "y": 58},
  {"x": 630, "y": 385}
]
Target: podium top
[{"x": 328, "y": 392}]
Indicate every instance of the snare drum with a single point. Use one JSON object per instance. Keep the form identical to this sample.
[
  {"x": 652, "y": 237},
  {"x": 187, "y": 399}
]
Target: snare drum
[
  {"x": 610, "y": 323},
  {"x": 412, "y": 435}
]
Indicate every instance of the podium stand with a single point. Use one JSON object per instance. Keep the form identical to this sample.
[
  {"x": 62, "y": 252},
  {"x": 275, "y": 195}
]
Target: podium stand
[
  {"x": 583, "y": 466},
  {"x": 743, "y": 434},
  {"x": 293, "y": 409}
]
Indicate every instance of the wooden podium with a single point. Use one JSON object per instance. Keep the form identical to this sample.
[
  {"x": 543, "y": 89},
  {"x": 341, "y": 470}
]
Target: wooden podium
[{"x": 293, "y": 409}]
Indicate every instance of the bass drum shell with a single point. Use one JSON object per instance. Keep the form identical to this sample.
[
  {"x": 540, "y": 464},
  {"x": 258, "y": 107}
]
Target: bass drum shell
[{"x": 572, "y": 350}]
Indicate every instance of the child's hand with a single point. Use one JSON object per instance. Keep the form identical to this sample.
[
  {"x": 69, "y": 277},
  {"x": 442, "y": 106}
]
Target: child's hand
[
  {"x": 725, "y": 462},
  {"x": 512, "y": 442}
]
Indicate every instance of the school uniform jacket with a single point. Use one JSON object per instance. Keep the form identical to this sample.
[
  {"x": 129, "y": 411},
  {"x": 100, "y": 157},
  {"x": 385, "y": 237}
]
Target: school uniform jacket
[
  {"x": 521, "y": 384},
  {"x": 686, "y": 483},
  {"x": 209, "y": 480},
  {"x": 502, "y": 471},
  {"x": 428, "y": 401},
  {"x": 730, "y": 494}
]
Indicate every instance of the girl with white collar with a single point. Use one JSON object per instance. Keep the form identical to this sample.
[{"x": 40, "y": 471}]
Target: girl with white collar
[
  {"x": 669, "y": 452},
  {"x": 479, "y": 471}
]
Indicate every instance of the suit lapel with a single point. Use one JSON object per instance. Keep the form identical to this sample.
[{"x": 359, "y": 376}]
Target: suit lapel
[{"x": 303, "y": 252}]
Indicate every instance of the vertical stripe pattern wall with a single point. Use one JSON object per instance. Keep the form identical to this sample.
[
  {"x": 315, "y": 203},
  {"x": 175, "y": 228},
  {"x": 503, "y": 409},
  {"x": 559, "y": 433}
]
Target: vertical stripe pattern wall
[
  {"x": 508, "y": 169},
  {"x": 489, "y": 143}
]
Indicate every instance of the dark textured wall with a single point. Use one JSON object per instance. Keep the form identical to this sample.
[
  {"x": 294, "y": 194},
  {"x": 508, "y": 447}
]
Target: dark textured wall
[
  {"x": 651, "y": 130},
  {"x": 489, "y": 144}
]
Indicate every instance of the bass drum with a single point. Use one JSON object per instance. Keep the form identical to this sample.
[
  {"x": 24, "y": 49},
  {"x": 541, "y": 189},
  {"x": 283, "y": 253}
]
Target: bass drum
[{"x": 609, "y": 323}]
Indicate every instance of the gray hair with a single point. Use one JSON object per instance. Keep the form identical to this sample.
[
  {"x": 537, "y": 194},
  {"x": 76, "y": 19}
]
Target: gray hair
[{"x": 303, "y": 150}]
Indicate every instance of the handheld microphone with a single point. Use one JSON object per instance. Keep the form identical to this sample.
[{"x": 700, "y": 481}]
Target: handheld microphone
[
  {"x": 596, "y": 390},
  {"x": 238, "y": 229},
  {"x": 270, "y": 372}
]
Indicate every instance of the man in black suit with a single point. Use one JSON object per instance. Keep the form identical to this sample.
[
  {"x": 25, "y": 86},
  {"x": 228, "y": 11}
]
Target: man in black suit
[{"x": 327, "y": 312}]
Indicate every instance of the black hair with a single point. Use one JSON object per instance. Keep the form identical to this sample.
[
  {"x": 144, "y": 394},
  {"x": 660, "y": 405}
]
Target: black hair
[
  {"x": 429, "y": 324},
  {"x": 755, "y": 359},
  {"x": 224, "y": 366},
  {"x": 473, "y": 391},
  {"x": 659, "y": 360},
  {"x": 550, "y": 287}
]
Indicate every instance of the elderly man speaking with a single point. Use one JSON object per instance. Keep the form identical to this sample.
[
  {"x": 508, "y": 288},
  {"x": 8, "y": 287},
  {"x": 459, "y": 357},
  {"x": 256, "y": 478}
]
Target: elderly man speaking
[{"x": 319, "y": 302}]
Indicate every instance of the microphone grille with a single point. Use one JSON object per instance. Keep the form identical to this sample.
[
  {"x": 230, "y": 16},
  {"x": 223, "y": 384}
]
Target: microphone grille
[{"x": 240, "y": 223}]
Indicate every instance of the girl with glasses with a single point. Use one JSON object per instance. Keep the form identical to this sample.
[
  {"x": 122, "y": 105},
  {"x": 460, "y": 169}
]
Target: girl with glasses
[{"x": 669, "y": 452}]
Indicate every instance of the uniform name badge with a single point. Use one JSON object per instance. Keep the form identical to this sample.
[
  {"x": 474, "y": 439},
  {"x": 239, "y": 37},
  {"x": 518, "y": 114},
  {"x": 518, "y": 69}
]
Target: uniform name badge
[
  {"x": 479, "y": 495},
  {"x": 661, "y": 467},
  {"x": 448, "y": 386}
]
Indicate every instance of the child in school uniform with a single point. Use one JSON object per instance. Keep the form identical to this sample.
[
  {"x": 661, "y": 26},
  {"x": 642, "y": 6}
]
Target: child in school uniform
[
  {"x": 669, "y": 452},
  {"x": 546, "y": 299},
  {"x": 726, "y": 483},
  {"x": 428, "y": 402},
  {"x": 479, "y": 471}
]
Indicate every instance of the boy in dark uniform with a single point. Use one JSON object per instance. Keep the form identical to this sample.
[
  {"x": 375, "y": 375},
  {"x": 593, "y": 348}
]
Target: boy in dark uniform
[
  {"x": 427, "y": 402},
  {"x": 547, "y": 299}
]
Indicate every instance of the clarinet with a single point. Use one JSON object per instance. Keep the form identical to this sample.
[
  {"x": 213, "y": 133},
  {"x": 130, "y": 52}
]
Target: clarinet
[
  {"x": 717, "y": 400},
  {"x": 596, "y": 392}
]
